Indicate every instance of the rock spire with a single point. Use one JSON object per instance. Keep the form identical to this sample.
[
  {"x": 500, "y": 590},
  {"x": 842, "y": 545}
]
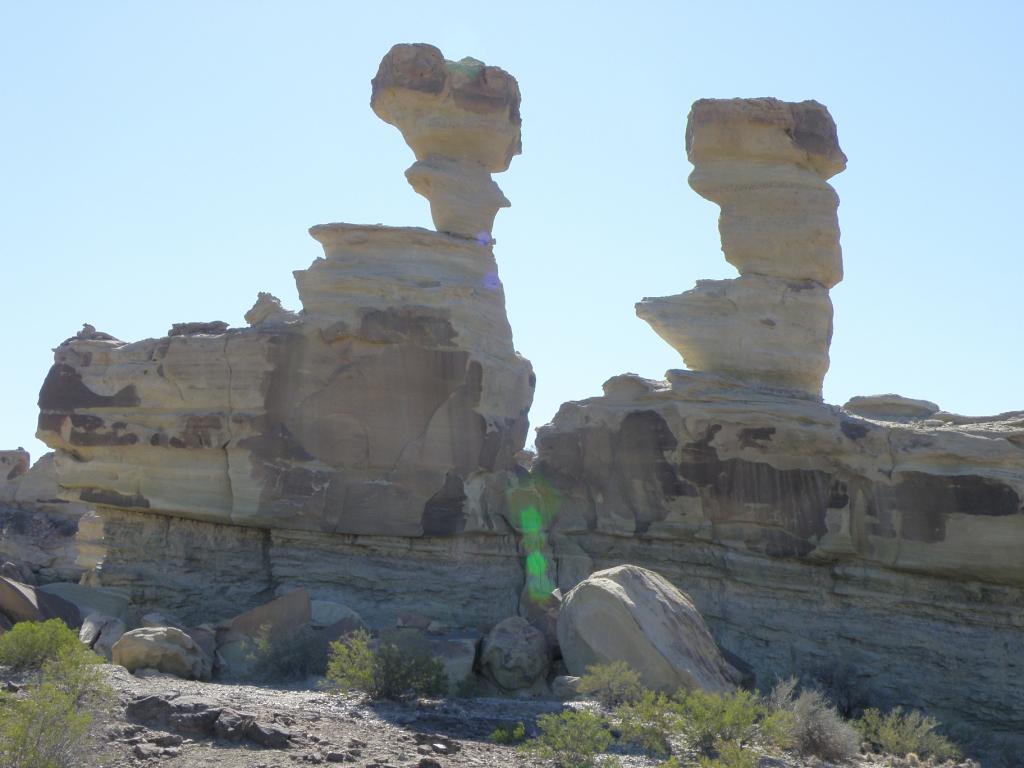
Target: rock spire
[
  {"x": 461, "y": 118},
  {"x": 766, "y": 163}
]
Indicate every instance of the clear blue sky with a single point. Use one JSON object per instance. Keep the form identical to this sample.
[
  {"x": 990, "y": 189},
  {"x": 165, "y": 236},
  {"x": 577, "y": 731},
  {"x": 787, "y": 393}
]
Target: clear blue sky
[{"x": 161, "y": 162}]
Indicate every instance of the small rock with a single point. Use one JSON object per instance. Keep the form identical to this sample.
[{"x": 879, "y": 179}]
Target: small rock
[
  {"x": 146, "y": 751},
  {"x": 428, "y": 762},
  {"x": 268, "y": 735}
]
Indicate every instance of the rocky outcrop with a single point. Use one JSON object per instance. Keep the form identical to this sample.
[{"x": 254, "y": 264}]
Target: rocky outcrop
[
  {"x": 765, "y": 162},
  {"x": 392, "y": 406},
  {"x": 873, "y": 549},
  {"x": 633, "y": 615},
  {"x": 38, "y": 531},
  {"x": 879, "y": 557}
]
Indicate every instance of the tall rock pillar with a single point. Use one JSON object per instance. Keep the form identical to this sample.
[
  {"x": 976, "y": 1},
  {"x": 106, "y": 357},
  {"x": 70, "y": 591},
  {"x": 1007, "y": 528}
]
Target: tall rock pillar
[{"x": 766, "y": 163}]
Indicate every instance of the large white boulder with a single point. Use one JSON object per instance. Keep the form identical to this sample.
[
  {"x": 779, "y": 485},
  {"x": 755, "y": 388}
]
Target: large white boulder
[
  {"x": 630, "y": 614},
  {"x": 166, "y": 649}
]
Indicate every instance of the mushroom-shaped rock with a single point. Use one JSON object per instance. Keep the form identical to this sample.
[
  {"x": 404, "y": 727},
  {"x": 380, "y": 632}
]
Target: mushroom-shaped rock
[
  {"x": 167, "y": 649},
  {"x": 461, "y": 119},
  {"x": 515, "y": 654},
  {"x": 766, "y": 163},
  {"x": 631, "y": 614}
]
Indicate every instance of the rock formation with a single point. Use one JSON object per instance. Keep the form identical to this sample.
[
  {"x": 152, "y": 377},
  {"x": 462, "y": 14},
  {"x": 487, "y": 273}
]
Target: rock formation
[
  {"x": 765, "y": 162},
  {"x": 49, "y": 539},
  {"x": 462, "y": 121},
  {"x": 634, "y": 615},
  {"x": 392, "y": 406},
  {"x": 875, "y": 548}
]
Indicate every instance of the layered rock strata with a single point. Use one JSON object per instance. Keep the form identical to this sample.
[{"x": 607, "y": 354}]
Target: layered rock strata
[
  {"x": 49, "y": 538},
  {"x": 388, "y": 411},
  {"x": 873, "y": 548},
  {"x": 880, "y": 557},
  {"x": 765, "y": 163}
]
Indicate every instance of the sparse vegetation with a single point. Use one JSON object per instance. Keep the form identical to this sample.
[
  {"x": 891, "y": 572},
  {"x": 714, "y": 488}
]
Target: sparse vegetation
[
  {"x": 902, "y": 733},
  {"x": 649, "y": 723},
  {"x": 509, "y": 734},
  {"x": 29, "y": 645},
  {"x": 47, "y": 727},
  {"x": 571, "y": 739},
  {"x": 290, "y": 655},
  {"x": 709, "y": 719},
  {"x": 730, "y": 754},
  {"x": 813, "y": 724},
  {"x": 611, "y": 684},
  {"x": 399, "y": 667}
]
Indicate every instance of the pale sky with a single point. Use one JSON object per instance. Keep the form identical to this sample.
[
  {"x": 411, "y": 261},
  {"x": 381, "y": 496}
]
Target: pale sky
[{"x": 161, "y": 162}]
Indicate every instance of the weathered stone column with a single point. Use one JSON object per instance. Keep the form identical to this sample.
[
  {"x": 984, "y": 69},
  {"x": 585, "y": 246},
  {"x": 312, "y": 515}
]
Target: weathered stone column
[{"x": 765, "y": 162}]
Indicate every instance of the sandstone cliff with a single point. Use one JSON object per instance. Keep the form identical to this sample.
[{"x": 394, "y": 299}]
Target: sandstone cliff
[
  {"x": 391, "y": 406},
  {"x": 874, "y": 548}
]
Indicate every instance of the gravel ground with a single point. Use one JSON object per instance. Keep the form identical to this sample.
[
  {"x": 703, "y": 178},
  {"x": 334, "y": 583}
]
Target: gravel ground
[{"x": 328, "y": 728}]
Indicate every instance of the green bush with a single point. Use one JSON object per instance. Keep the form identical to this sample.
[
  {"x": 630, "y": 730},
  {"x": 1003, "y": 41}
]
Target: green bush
[
  {"x": 611, "y": 684},
  {"x": 709, "y": 718},
  {"x": 43, "y": 730},
  {"x": 731, "y": 754},
  {"x": 290, "y": 655},
  {"x": 509, "y": 734},
  {"x": 48, "y": 727},
  {"x": 401, "y": 666},
  {"x": 650, "y": 722},
  {"x": 901, "y": 733},
  {"x": 572, "y": 739},
  {"x": 814, "y": 726},
  {"x": 28, "y": 645}
]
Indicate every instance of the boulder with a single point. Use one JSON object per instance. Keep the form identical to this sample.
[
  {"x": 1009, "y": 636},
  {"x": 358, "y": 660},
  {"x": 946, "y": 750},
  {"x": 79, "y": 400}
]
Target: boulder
[
  {"x": 458, "y": 655},
  {"x": 109, "y": 635},
  {"x": 515, "y": 654},
  {"x": 22, "y": 602},
  {"x": 5, "y": 623},
  {"x": 105, "y": 600},
  {"x": 324, "y": 613},
  {"x": 166, "y": 649},
  {"x": 565, "y": 687},
  {"x": 281, "y": 616},
  {"x": 634, "y": 615}
]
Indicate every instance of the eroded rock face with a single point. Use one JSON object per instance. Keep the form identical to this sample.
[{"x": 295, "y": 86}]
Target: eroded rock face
[
  {"x": 38, "y": 531},
  {"x": 765, "y": 162},
  {"x": 461, "y": 118},
  {"x": 393, "y": 404},
  {"x": 634, "y": 615},
  {"x": 814, "y": 541}
]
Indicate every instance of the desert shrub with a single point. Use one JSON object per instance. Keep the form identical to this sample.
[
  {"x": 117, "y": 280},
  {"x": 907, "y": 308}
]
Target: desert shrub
[
  {"x": 509, "y": 734},
  {"x": 400, "y": 666},
  {"x": 611, "y": 684},
  {"x": 43, "y": 730},
  {"x": 28, "y": 645},
  {"x": 290, "y": 655},
  {"x": 649, "y": 722},
  {"x": 48, "y": 727},
  {"x": 709, "y": 718},
  {"x": 815, "y": 727},
  {"x": 777, "y": 729},
  {"x": 571, "y": 739},
  {"x": 901, "y": 733},
  {"x": 731, "y": 754}
]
